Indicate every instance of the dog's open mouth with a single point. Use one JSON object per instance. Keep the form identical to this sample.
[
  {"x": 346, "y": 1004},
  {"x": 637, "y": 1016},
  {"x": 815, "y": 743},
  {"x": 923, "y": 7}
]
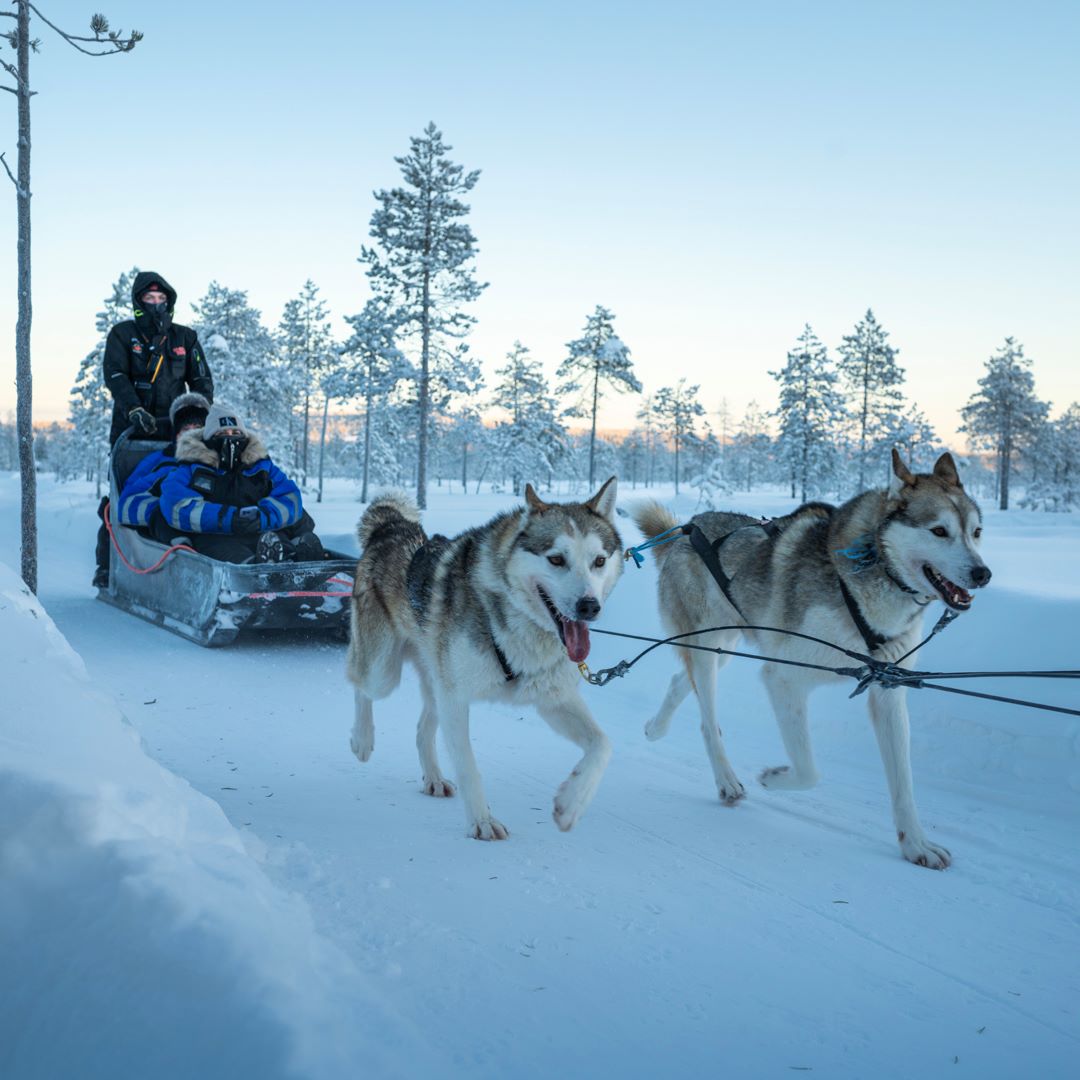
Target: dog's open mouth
[
  {"x": 573, "y": 633},
  {"x": 957, "y": 598}
]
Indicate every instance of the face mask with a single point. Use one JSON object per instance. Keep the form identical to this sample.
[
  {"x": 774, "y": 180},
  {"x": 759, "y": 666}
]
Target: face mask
[
  {"x": 159, "y": 314},
  {"x": 229, "y": 448}
]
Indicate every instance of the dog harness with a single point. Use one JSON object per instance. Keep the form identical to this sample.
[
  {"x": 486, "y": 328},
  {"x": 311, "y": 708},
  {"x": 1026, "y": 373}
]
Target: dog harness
[
  {"x": 710, "y": 556},
  {"x": 418, "y": 585}
]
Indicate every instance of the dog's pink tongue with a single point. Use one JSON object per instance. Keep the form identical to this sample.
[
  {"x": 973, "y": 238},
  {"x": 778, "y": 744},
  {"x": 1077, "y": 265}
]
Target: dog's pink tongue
[{"x": 576, "y": 637}]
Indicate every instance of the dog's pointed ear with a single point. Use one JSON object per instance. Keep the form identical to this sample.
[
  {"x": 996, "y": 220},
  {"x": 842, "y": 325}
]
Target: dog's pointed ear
[
  {"x": 945, "y": 470},
  {"x": 603, "y": 502},
  {"x": 902, "y": 476},
  {"x": 533, "y": 501}
]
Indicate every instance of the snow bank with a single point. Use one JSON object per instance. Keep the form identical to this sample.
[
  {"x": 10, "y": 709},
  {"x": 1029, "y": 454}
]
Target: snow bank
[{"x": 138, "y": 936}]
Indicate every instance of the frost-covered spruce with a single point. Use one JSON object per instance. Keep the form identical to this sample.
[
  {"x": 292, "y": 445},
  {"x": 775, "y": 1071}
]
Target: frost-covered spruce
[
  {"x": 872, "y": 378},
  {"x": 530, "y": 442},
  {"x": 1004, "y": 415},
  {"x": 811, "y": 414},
  {"x": 306, "y": 348},
  {"x": 421, "y": 271},
  {"x": 596, "y": 360}
]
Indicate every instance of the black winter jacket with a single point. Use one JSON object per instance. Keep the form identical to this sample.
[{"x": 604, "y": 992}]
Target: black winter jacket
[{"x": 149, "y": 370}]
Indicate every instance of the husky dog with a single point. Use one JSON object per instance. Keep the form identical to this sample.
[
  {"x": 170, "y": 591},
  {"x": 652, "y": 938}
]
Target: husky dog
[
  {"x": 859, "y": 575},
  {"x": 500, "y": 612}
]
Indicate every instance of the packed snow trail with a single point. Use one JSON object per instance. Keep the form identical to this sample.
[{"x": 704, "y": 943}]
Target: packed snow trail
[{"x": 666, "y": 933}]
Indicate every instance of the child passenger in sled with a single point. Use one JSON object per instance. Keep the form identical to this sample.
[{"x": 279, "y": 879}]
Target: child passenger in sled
[{"x": 231, "y": 500}]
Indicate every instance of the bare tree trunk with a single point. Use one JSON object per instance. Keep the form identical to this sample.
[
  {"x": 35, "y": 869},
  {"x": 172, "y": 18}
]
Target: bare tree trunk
[
  {"x": 480, "y": 478},
  {"x": 1006, "y": 460},
  {"x": 425, "y": 368},
  {"x": 592, "y": 434},
  {"x": 367, "y": 443},
  {"x": 322, "y": 443},
  {"x": 304, "y": 455},
  {"x": 23, "y": 374}
]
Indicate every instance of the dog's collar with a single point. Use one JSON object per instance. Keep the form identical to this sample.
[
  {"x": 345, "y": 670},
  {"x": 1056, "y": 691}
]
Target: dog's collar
[{"x": 865, "y": 552}]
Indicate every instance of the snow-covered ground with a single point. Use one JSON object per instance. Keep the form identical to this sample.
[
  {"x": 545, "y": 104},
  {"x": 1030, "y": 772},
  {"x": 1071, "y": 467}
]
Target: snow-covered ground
[{"x": 329, "y": 920}]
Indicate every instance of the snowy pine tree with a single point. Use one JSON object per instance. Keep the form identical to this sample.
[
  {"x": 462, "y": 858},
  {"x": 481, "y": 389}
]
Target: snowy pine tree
[
  {"x": 422, "y": 274},
  {"x": 90, "y": 411},
  {"x": 752, "y": 447},
  {"x": 374, "y": 367},
  {"x": 531, "y": 440},
  {"x": 595, "y": 360},
  {"x": 306, "y": 348},
  {"x": 676, "y": 409},
  {"x": 914, "y": 436},
  {"x": 811, "y": 413},
  {"x": 249, "y": 374},
  {"x": 873, "y": 378},
  {"x": 1004, "y": 415},
  {"x": 1056, "y": 483}
]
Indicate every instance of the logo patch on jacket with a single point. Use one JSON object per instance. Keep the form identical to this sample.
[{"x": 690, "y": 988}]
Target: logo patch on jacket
[
  {"x": 202, "y": 482},
  {"x": 136, "y": 347},
  {"x": 179, "y": 351}
]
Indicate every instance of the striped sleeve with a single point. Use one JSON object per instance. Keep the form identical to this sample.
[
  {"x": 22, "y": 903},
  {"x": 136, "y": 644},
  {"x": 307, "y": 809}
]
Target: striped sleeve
[
  {"x": 139, "y": 498},
  {"x": 283, "y": 506}
]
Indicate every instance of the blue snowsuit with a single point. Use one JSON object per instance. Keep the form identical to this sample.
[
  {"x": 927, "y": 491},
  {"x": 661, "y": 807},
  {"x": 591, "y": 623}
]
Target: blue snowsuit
[{"x": 198, "y": 496}]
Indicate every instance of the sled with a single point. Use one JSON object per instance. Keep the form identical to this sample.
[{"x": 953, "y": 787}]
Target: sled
[{"x": 207, "y": 601}]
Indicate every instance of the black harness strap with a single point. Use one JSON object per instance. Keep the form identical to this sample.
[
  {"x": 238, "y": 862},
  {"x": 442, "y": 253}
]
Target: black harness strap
[
  {"x": 700, "y": 543},
  {"x": 873, "y": 639},
  {"x": 508, "y": 671},
  {"x": 710, "y": 553},
  {"x": 710, "y": 556}
]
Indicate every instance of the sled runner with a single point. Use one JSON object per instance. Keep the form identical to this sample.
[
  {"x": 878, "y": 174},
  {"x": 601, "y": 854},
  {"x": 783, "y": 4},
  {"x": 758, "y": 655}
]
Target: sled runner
[{"x": 208, "y": 601}]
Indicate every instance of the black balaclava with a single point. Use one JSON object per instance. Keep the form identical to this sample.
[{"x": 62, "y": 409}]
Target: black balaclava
[
  {"x": 160, "y": 316},
  {"x": 229, "y": 449}
]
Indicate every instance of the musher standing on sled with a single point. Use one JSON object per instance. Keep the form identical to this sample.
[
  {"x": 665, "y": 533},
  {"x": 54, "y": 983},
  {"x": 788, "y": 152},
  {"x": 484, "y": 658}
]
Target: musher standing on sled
[{"x": 149, "y": 362}]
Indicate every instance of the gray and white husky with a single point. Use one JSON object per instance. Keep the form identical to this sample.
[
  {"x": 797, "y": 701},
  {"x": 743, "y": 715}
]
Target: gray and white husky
[
  {"x": 501, "y": 613},
  {"x": 895, "y": 552}
]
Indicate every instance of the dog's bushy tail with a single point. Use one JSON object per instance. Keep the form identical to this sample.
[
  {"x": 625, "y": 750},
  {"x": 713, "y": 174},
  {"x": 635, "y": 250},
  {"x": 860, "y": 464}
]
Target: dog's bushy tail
[
  {"x": 393, "y": 506},
  {"x": 653, "y": 518}
]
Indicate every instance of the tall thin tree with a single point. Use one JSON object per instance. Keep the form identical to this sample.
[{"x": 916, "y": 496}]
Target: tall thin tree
[
  {"x": 307, "y": 348},
  {"x": 103, "y": 42},
  {"x": 677, "y": 409},
  {"x": 422, "y": 271},
  {"x": 373, "y": 367},
  {"x": 596, "y": 359},
  {"x": 873, "y": 377},
  {"x": 811, "y": 412},
  {"x": 1004, "y": 415}
]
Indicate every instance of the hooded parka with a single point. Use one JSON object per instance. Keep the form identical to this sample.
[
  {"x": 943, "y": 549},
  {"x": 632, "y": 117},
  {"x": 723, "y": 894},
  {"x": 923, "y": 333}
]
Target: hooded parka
[{"x": 150, "y": 362}]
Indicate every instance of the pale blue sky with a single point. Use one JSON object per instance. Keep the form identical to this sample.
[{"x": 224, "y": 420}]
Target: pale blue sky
[{"x": 717, "y": 174}]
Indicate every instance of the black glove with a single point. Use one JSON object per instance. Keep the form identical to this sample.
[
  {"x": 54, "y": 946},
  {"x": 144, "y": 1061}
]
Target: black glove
[
  {"x": 248, "y": 520},
  {"x": 143, "y": 420}
]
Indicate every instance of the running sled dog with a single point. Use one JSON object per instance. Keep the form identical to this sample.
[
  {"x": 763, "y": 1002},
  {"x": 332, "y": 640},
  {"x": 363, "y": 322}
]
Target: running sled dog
[
  {"x": 859, "y": 575},
  {"x": 500, "y": 613}
]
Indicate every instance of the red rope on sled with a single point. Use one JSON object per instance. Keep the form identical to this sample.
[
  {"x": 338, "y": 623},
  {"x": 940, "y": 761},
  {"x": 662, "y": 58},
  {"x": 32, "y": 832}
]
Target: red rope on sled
[{"x": 123, "y": 557}]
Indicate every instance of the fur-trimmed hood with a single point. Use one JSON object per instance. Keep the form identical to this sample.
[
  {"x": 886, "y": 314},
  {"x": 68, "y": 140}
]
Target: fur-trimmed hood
[{"x": 191, "y": 447}]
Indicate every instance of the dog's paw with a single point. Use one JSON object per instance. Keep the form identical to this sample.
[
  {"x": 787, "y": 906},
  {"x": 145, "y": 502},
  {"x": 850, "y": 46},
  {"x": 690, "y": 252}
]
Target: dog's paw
[
  {"x": 921, "y": 852},
  {"x": 657, "y": 727},
  {"x": 784, "y": 778},
  {"x": 362, "y": 746},
  {"x": 439, "y": 787},
  {"x": 488, "y": 829},
  {"x": 731, "y": 792}
]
